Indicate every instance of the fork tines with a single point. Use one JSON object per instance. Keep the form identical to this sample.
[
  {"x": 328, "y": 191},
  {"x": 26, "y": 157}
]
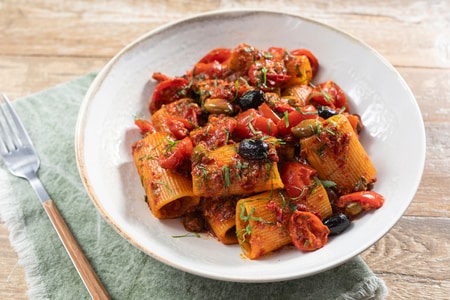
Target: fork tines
[{"x": 11, "y": 128}]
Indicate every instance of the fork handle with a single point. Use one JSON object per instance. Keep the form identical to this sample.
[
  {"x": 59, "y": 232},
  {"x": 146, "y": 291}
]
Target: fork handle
[{"x": 85, "y": 270}]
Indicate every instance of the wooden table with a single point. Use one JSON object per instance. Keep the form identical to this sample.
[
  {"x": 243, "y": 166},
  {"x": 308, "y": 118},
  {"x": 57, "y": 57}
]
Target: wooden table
[{"x": 45, "y": 42}]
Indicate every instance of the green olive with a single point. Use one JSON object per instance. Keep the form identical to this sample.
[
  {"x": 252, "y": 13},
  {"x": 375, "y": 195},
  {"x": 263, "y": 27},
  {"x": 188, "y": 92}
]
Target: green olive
[
  {"x": 305, "y": 128},
  {"x": 218, "y": 106},
  {"x": 353, "y": 209}
]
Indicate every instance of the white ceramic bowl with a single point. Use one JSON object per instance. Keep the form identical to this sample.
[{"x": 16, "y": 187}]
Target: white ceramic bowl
[{"x": 394, "y": 138}]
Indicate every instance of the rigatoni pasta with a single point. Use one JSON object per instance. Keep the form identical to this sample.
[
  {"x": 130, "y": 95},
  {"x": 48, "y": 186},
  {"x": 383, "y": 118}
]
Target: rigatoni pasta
[
  {"x": 257, "y": 228},
  {"x": 223, "y": 172},
  {"x": 247, "y": 147},
  {"x": 336, "y": 153},
  {"x": 220, "y": 213},
  {"x": 317, "y": 200},
  {"x": 169, "y": 194}
]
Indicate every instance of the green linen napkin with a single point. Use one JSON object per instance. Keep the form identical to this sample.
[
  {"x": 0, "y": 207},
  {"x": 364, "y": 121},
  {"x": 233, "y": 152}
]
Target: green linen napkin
[{"x": 127, "y": 273}]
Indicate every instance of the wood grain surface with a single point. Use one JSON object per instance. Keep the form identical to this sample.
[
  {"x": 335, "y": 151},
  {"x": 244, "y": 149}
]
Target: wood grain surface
[{"x": 45, "y": 42}]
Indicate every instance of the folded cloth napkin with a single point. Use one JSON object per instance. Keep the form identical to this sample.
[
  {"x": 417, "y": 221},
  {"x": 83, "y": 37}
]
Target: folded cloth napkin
[{"x": 127, "y": 273}]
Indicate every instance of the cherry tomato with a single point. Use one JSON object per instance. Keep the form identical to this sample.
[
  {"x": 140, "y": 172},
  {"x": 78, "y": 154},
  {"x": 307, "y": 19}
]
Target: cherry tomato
[
  {"x": 184, "y": 109},
  {"x": 242, "y": 129},
  {"x": 329, "y": 94},
  {"x": 145, "y": 126},
  {"x": 217, "y": 133},
  {"x": 277, "y": 52},
  {"x": 214, "y": 64},
  {"x": 212, "y": 70},
  {"x": 179, "y": 127},
  {"x": 251, "y": 124},
  {"x": 307, "y": 231},
  {"x": 277, "y": 79},
  {"x": 265, "y": 125},
  {"x": 296, "y": 178},
  {"x": 294, "y": 117},
  {"x": 175, "y": 157},
  {"x": 191, "y": 114},
  {"x": 283, "y": 107},
  {"x": 265, "y": 111},
  {"x": 312, "y": 59},
  {"x": 168, "y": 91},
  {"x": 158, "y": 76},
  {"x": 221, "y": 55},
  {"x": 366, "y": 199}
]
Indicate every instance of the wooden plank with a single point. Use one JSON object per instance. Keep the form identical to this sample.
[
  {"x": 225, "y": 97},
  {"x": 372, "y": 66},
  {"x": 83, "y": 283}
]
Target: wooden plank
[
  {"x": 432, "y": 198},
  {"x": 26, "y": 75},
  {"x": 411, "y": 287},
  {"x": 413, "y": 258},
  {"x": 12, "y": 275},
  {"x": 79, "y": 31},
  {"x": 431, "y": 87},
  {"x": 416, "y": 246}
]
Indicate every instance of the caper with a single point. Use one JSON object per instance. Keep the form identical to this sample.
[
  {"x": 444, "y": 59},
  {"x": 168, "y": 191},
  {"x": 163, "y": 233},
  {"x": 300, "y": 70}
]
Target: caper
[
  {"x": 253, "y": 149},
  {"x": 337, "y": 223},
  {"x": 305, "y": 128},
  {"x": 218, "y": 106},
  {"x": 326, "y": 112},
  {"x": 251, "y": 99}
]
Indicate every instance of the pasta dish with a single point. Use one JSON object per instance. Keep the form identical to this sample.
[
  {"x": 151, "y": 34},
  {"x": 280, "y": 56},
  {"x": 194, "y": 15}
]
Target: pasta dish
[{"x": 246, "y": 146}]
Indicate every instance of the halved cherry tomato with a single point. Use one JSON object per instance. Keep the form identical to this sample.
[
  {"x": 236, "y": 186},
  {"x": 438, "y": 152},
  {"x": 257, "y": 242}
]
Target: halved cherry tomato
[
  {"x": 175, "y": 157},
  {"x": 243, "y": 129},
  {"x": 366, "y": 199},
  {"x": 312, "y": 59},
  {"x": 283, "y": 107},
  {"x": 329, "y": 94},
  {"x": 277, "y": 79},
  {"x": 294, "y": 117},
  {"x": 251, "y": 124},
  {"x": 144, "y": 125},
  {"x": 213, "y": 69},
  {"x": 179, "y": 127},
  {"x": 265, "y": 125},
  {"x": 307, "y": 231},
  {"x": 214, "y": 63},
  {"x": 220, "y": 55},
  {"x": 168, "y": 91},
  {"x": 277, "y": 52},
  {"x": 296, "y": 178},
  {"x": 265, "y": 111}
]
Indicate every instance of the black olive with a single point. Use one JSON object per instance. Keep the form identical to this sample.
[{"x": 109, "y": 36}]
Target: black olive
[
  {"x": 251, "y": 99},
  {"x": 326, "y": 112},
  {"x": 332, "y": 195},
  {"x": 337, "y": 223},
  {"x": 253, "y": 149}
]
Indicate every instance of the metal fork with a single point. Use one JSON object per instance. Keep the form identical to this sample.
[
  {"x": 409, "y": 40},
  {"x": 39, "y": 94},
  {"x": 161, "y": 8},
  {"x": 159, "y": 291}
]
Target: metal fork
[{"x": 22, "y": 160}]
